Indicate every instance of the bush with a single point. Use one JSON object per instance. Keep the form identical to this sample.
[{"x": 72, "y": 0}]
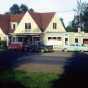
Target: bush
[{"x": 2, "y": 44}]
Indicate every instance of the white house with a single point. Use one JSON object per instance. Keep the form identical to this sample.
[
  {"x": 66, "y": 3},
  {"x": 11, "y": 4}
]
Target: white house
[{"x": 38, "y": 28}]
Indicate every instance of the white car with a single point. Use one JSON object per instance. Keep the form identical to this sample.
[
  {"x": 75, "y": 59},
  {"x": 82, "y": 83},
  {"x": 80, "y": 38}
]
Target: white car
[{"x": 75, "y": 47}]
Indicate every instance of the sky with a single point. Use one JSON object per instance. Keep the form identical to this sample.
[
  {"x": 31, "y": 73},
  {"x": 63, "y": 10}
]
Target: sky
[{"x": 64, "y": 8}]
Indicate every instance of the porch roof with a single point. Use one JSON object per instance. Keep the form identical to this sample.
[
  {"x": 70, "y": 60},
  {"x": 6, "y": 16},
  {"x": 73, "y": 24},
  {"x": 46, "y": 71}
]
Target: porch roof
[{"x": 24, "y": 34}]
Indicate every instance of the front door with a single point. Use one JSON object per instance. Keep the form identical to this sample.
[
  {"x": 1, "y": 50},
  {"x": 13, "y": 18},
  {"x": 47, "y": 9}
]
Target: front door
[{"x": 36, "y": 40}]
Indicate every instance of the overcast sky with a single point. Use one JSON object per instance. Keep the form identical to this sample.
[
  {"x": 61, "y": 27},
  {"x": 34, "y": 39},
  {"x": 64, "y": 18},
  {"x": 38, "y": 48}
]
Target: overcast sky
[{"x": 64, "y": 8}]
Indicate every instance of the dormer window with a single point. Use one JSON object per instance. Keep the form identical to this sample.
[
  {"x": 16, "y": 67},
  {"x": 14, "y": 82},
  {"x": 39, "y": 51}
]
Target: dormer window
[
  {"x": 13, "y": 25},
  {"x": 27, "y": 25},
  {"x": 54, "y": 25}
]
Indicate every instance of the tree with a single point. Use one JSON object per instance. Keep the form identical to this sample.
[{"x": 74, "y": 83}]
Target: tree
[
  {"x": 23, "y": 8},
  {"x": 71, "y": 27},
  {"x": 61, "y": 19},
  {"x": 14, "y": 9},
  {"x": 81, "y": 17},
  {"x": 31, "y": 10}
]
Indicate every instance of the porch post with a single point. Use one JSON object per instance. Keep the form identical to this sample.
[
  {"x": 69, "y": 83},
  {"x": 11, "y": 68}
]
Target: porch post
[
  {"x": 7, "y": 40},
  {"x": 16, "y": 39},
  {"x": 11, "y": 38}
]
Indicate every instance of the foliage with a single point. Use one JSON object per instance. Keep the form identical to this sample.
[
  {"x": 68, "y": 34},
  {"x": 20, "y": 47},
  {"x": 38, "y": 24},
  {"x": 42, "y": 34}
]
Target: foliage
[
  {"x": 31, "y": 10},
  {"x": 71, "y": 27},
  {"x": 2, "y": 44},
  {"x": 81, "y": 17},
  {"x": 23, "y": 8},
  {"x": 16, "y": 9}
]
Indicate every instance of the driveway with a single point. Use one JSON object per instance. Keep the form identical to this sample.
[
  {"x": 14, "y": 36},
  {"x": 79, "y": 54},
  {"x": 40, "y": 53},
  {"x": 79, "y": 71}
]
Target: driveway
[
  {"x": 43, "y": 62},
  {"x": 34, "y": 62}
]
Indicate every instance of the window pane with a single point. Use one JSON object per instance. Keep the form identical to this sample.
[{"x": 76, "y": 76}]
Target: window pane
[
  {"x": 49, "y": 38},
  {"x": 36, "y": 38},
  {"x": 54, "y": 26},
  {"x": 27, "y": 25},
  {"x": 66, "y": 39},
  {"x": 54, "y": 37},
  {"x": 59, "y": 38},
  {"x": 76, "y": 40},
  {"x": 14, "y": 26},
  {"x": 19, "y": 39}
]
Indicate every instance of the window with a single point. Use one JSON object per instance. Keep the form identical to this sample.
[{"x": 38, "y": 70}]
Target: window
[
  {"x": 13, "y": 39},
  {"x": 27, "y": 25},
  {"x": 49, "y": 38},
  {"x": 14, "y": 26},
  {"x": 59, "y": 38},
  {"x": 19, "y": 39},
  {"x": 76, "y": 40},
  {"x": 66, "y": 41},
  {"x": 54, "y": 26},
  {"x": 54, "y": 37},
  {"x": 36, "y": 38}
]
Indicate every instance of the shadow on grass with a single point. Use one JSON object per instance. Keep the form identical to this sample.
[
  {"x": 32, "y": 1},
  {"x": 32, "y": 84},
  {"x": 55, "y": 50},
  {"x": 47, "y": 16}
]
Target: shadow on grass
[
  {"x": 75, "y": 72},
  {"x": 7, "y": 72}
]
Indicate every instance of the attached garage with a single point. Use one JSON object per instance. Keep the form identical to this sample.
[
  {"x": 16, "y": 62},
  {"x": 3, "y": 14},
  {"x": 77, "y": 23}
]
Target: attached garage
[
  {"x": 85, "y": 41},
  {"x": 56, "y": 42}
]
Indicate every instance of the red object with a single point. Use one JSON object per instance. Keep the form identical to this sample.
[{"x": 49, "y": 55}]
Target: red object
[{"x": 16, "y": 46}]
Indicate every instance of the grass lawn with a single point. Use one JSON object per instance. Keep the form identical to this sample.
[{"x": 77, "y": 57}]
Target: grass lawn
[{"x": 31, "y": 79}]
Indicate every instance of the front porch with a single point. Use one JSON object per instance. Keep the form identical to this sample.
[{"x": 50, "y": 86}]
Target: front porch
[{"x": 26, "y": 39}]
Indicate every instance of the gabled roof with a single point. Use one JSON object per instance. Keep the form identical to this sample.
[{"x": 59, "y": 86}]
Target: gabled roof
[
  {"x": 5, "y": 23},
  {"x": 41, "y": 19},
  {"x": 16, "y": 18}
]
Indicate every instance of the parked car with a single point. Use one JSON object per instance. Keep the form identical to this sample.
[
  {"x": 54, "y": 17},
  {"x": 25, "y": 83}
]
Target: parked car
[
  {"x": 45, "y": 48},
  {"x": 75, "y": 47}
]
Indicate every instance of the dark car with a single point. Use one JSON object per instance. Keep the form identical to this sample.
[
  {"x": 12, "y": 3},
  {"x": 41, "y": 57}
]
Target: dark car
[{"x": 46, "y": 48}]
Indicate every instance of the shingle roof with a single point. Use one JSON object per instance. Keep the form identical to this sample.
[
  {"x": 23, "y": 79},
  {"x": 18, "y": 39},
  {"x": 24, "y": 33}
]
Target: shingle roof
[
  {"x": 41, "y": 19},
  {"x": 5, "y": 23},
  {"x": 16, "y": 18}
]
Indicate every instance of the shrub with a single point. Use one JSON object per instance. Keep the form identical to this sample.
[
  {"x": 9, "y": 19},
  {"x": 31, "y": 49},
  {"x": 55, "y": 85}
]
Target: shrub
[{"x": 2, "y": 44}]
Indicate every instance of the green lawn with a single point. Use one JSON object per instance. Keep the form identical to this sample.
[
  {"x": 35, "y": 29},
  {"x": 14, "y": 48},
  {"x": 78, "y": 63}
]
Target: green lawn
[{"x": 32, "y": 79}]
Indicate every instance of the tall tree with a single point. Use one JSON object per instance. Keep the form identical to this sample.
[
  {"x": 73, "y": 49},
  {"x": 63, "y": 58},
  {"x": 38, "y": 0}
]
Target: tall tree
[
  {"x": 81, "y": 17},
  {"x": 23, "y": 8},
  {"x": 80, "y": 10},
  {"x": 14, "y": 9}
]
